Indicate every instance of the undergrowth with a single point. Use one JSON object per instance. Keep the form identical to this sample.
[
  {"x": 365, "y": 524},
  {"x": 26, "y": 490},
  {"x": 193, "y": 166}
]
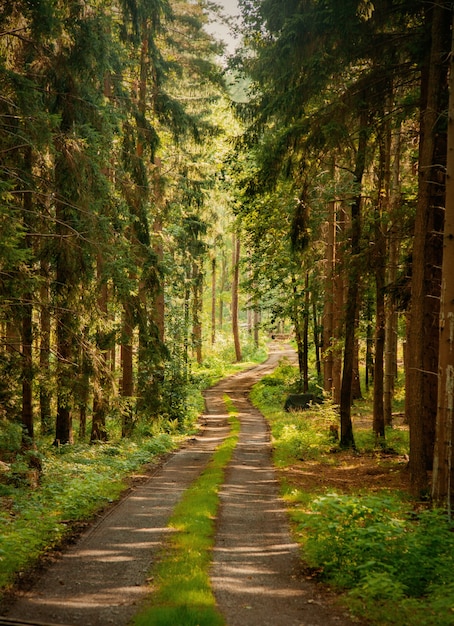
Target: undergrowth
[
  {"x": 76, "y": 482},
  {"x": 393, "y": 559}
]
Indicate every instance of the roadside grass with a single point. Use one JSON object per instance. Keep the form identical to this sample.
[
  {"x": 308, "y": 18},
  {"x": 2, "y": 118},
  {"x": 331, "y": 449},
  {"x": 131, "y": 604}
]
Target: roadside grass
[
  {"x": 182, "y": 591},
  {"x": 221, "y": 361},
  {"x": 78, "y": 481},
  {"x": 392, "y": 558}
]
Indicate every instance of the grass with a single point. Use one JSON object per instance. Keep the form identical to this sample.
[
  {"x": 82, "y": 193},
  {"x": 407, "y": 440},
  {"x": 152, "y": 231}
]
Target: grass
[
  {"x": 182, "y": 591},
  {"x": 392, "y": 558},
  {"x": 77, "y": 481}
]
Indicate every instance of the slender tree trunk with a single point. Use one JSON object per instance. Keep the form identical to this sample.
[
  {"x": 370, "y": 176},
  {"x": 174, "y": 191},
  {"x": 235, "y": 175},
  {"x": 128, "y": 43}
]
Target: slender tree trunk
[
  {"x": 45, "y": 386},
  {"x": 27, "y": 324},
  {"x": 299, "y": 332},
  {"x": 235, "y": 298},
  {"x": 127, "y": 384},
  {"x": 369, "y": 343},
  {"x": 98, "y": 424},
  {"x": 328, "y": 311},
  {"x": 317, "y": 324},
  {"x": 65, "y": 322},
  {"x": 380, "y": 274},
  {"x": 351, "y": 312},
  {"x": 187, "y": 301},
  {"x": 443, "y": 474},
  {"x": 213, "y": 301},
  {"x": 391, "y": 311},
  {"x": 159, "y": 299},
  {"x": 197, "y": 311},
  {"x": 423, "y": 334},
  {"x": 222, "y": 287},
  {"x": 306, "y": 335},
  {"x": 27, "y": 371},
  {"x": 256, "y": 318},
  {"x": 339, "y": 303},
  {"x": 357, "y": 393}
]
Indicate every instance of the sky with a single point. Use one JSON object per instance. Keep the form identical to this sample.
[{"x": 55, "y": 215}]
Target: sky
[{"x": 219, "y": 30}]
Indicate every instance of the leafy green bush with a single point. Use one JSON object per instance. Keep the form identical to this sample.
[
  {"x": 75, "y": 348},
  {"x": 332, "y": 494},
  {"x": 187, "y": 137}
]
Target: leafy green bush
[
  {"x": 10, "y": 438},
  {"x": 373, "y": 545},
  {"x": 76, "y": 482},
  {"x": 296, "y": 435}
]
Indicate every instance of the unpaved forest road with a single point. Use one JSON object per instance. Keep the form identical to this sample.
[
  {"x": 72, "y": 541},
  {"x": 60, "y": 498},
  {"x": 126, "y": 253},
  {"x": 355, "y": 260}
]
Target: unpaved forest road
[{"x": 256, "y": 575}]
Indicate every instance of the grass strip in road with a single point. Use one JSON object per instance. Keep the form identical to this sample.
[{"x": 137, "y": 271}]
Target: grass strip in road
[{"x": 182, "y": 592}]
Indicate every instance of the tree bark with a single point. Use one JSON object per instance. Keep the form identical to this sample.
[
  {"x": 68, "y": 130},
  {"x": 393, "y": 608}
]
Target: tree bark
[
  {"x": 423, "y": 333},
  {"x": 127, "y": 381},
  {"x": 27, "y": 323},
  {"x": 351, "y": 311},
  {"x": 45, "y": 393},
  {"x": 235, "y": 298},
  {"x": 380, "y": 275},
  {"x": 339, "y": 303},
  {"x": 213, "y": 301},
  {"x": 299, "y": 333},
  {"x": 197, "y": 285},
  {"x": 328, "y": 310},
  {"x": 306, "y": 317},
  {"x": 443, "y": 474},
  {"x": 98, "y": 424},
  {"x": 391, "y": 311}
]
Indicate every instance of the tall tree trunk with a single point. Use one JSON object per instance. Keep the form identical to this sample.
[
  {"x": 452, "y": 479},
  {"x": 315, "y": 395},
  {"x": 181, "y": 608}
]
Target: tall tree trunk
[
  {"x": 159, "y": 300},
  {"x": 45, "y": 386},
  {"x": 299, "y": 331},
  {"x": 27, "y": 323},
  {"x": 317, "y": 323},
  {"x": 423, "y": 333},
  {"x": 213, "y": 301},
  {"x": 369, "y": 342},
  {"x": 391, "y": 310},
  {"x": 98, "y": 424},
  {"x": 443, "y": 474},
  {"x": 197, "y": 284},
  {"x": 351, "y": 311},
  {"x": 256, "y": 319},
  {"x": 65, "y": 288},
  {"x": 380, "y": 274},
  {"x": 127, "y": 381},
  {"x": 339, "y": 302},
  {"x": 328, "y": 310},
  {"x": 83, "y": 390},
  {"x": 222, "y": 287},
  {"x": 306, "y": 317},
  {"x": 235, "y": 297}
]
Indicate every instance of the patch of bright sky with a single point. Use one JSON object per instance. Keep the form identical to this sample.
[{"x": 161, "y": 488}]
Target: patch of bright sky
[{"x": 221, "y": 31}]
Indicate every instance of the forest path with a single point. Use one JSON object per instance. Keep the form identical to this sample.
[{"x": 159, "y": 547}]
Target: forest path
[
  {"x": 102, "y": 579},
  {"x": 256, "y": 573}
]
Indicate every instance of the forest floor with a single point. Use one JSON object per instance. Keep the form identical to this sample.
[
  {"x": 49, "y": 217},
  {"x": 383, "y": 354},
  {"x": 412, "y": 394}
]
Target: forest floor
[{"x": 257, "y": 576}]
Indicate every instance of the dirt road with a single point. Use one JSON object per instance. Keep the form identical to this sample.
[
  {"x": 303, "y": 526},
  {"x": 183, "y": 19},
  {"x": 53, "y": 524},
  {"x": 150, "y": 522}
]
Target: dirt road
[{"x": 255, "y": 573}]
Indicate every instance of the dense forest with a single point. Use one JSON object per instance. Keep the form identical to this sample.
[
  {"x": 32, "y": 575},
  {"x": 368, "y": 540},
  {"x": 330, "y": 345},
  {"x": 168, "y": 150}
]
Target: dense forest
[{"x": 153, "y": 199}]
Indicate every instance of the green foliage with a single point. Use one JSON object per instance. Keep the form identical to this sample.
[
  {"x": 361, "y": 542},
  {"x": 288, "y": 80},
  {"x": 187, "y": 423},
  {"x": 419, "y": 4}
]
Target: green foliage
[
  {"x": 296, "y": 435},
  {"x": 76, "y": 482},
  {"x": 221, "y": 360},
  {"x": 396, "y": 441},
  {"x": 386, "y": 554},
  {"x": 10, "y": 438}
]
